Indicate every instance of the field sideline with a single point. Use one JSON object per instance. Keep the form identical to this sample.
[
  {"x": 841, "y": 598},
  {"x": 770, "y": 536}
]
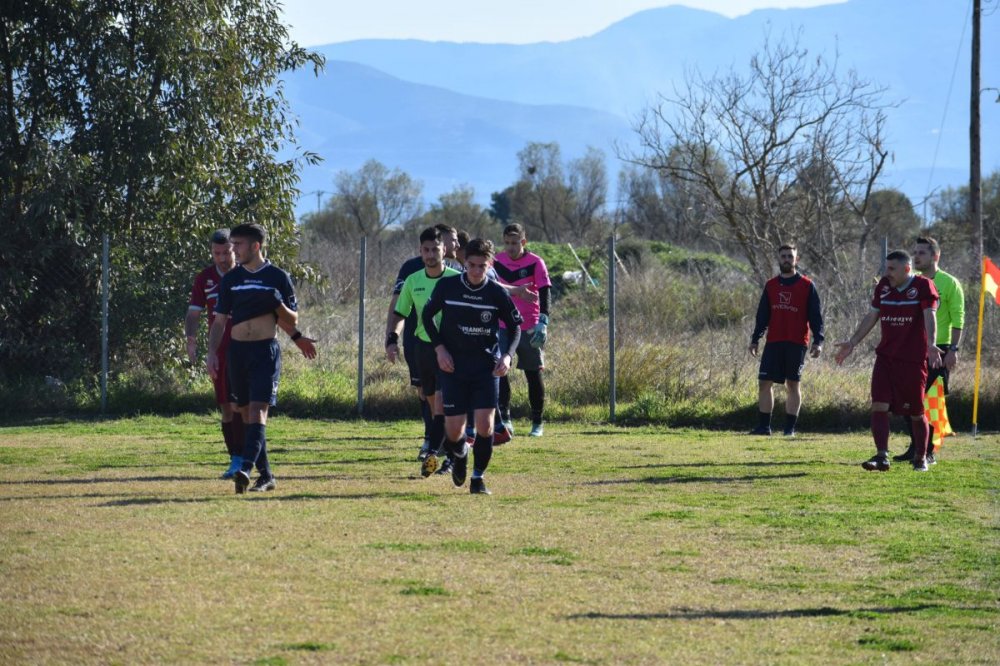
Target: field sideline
[{"x": 600, "y": 545}]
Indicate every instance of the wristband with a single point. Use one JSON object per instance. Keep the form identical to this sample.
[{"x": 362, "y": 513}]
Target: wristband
[
  {"x": 392, "y": 339},
  {"x": 296, "y": 335},
  {"x": 954, "y": 348}
]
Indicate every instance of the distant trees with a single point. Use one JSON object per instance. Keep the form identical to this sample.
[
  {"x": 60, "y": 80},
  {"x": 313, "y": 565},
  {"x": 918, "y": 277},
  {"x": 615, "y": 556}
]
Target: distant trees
[
  {"x": 802, "y": 147},
  {"x": 367, "y": 202}
]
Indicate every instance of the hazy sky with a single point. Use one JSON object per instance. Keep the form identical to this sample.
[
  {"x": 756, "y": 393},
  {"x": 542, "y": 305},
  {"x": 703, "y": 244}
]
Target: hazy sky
[{"x": 316, "y": 22}]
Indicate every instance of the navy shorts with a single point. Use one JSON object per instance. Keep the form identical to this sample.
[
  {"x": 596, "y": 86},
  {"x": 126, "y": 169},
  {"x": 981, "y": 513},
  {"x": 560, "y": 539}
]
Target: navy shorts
[
  {"x": 472, "y": 386},
  {"x": 254, "y": 369},
  {"x": 410, "y": 354},
  {"x": 781, "y": 361}
]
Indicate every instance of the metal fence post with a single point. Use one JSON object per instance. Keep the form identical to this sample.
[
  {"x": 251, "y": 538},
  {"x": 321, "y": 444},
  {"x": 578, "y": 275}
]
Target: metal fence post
[
  {"x": 612, "y": 385},
  {"x": 361, "y": 326},
  {"x": 105, "y": 271}
]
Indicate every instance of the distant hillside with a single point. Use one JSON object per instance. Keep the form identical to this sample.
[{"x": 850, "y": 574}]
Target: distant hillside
[{"x": 910, "y": 46}]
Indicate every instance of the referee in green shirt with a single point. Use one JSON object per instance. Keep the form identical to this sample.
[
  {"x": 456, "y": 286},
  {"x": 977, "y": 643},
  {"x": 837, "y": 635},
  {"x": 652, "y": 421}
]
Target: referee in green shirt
[{"x": 950, "y": 322}]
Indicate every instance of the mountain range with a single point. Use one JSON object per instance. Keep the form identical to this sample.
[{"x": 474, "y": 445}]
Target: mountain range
[{"x": 457, "y": 113}]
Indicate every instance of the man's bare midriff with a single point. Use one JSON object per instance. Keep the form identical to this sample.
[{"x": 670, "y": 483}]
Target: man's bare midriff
[{"x": 263, "y": 327}]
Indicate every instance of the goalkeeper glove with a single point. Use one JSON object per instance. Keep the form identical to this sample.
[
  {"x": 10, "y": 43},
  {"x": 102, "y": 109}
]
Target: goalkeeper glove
[{"x": 539, "y": 332}]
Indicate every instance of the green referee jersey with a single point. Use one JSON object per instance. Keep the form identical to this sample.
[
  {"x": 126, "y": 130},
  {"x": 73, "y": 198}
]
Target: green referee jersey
[
  {"x": 951, "y": 309},
  {"x": 416, "y": 292}
]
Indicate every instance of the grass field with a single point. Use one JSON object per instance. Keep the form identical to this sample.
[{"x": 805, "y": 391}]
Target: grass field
[{"x": 600, "y": 545}]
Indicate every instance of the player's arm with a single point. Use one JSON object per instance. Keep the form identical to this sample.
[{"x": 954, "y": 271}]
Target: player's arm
[
  {"x": 402, "y": 306},
  {"x": 306, "y": 345},
  {"x": 215, "y": 335},
  {"x": 524, "y": 292},
  {"x": 815, "y": 322},
  {"x": 286, "y": 315},
  {"x": 845, "y": 348},
  {"x": 430, "y": 310},
  {"x": 956, "y": 308},
  {"x": 930, "y": 323},
  {"x": 191, "y": 321},
  {"x": 760, "y": 324},
  {"x": 540, "y": 331}
]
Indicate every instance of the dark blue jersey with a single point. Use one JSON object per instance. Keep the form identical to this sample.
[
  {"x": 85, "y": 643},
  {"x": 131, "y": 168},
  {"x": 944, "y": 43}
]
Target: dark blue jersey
[
  {"x": 246, "y": 294},
  {"x": 471, "y": 316},
  {"x": 409, "y": 267}
]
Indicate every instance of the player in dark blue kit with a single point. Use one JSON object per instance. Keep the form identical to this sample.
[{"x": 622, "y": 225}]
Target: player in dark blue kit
[
  {"x": 469, "y": 356},
  {"x": 255, "y": 295}
]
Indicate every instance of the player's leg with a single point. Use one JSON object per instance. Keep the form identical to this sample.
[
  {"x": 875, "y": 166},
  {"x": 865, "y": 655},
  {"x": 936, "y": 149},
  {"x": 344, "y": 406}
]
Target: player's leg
[
  {"x": 909, "y": 381},
  {"x": 484, "y": 396},
  {"x": 882, "y": 398},
  {"x": 264, "y": 373},
  {"x": 771, "y": 371},
  {"x": 429, "y": 384},
  {"x": 531, "y": 360},
  {"x": 455, "y": 404},
  {"x": 503, "y": 398},
  {"x": 413, "y": 366},
  {"x": 795, "y": 362}
]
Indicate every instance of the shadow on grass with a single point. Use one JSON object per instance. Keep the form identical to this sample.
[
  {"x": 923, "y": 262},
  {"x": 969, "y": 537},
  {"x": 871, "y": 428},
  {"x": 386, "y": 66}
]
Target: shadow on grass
[
  {"x": 271, "y": 497},
  {"x": 70, "y": 481},
  {"x": 694, "y": 614},
  {"x": 776, "y": 463},
  {"x": 659, "y": 480}
]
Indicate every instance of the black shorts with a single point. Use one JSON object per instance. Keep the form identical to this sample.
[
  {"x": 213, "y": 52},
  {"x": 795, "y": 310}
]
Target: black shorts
[
  {"x": 410, "y": 354},
  {"x": 781, "y": 361},
  {"x": 254, "y": 369},
  {"x": 427, "y": 368},
  {"x": 529, "y": 358},
  {"x": 942, "y": 372},
  {"x": 472, "y": 386}
]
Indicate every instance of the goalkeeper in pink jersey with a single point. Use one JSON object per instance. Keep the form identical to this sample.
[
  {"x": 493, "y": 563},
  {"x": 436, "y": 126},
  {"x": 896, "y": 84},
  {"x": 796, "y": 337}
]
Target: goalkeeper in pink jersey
[{"x": 519, "y": 267}]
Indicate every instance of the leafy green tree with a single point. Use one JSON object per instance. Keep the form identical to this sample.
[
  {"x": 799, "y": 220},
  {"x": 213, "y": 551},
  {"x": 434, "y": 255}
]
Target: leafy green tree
[{"x": 153, "y": 122}]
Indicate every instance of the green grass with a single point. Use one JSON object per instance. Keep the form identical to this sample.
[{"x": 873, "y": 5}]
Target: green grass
[{"x": 600, "y": 545}]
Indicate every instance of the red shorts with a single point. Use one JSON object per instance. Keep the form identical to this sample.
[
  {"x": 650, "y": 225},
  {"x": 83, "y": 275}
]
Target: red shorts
[
  {"x": 900, "y": 384},
  {"x": 221, "y": 382}
]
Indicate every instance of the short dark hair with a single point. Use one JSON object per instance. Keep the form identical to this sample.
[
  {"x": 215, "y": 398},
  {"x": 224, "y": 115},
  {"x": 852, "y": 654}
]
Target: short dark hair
[
  {"x": 479, "y": 247},
  {"x": 899, "y": 255},
  {"x": 789, "y": 246},
  {"x": 463, "y": 239},
  {"x": 432, "y": 234},
  {"x": 220, "y": 236},
  {"x": 445, "y": 229},
  {"x": 254, "y": 232},
  {"x": 512, "y": 229},
  {"x": 931, "y": 243}
]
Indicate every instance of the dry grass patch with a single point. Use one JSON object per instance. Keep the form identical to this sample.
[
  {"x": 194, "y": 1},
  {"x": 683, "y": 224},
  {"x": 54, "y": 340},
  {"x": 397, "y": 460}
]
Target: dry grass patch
[{"x": 600, "y": 546}]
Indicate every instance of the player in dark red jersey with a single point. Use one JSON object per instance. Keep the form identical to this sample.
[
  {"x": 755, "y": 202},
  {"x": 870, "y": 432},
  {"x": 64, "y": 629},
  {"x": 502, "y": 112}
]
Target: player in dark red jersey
[
  {"x": 789, "y": 307},
  {"x": 204, "y": 295},
  {"x": 905, "y": 305}
]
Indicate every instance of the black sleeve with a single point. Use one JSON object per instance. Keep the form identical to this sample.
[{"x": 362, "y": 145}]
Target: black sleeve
[
  {"x": 431, "y": 308},
  {"x": 763, "y": 317},
  {"x": 543, "y": 300},
  {"x": 512, "y": 340},
  {"x": 815, "y": 316},
  {"x": 511, "y": 317}
]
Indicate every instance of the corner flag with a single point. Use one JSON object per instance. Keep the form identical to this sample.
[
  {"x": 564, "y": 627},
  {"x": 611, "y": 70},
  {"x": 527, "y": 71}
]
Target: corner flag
[
  {"x": 991, "y": 279},
  {"x": 937, "y": 413}
]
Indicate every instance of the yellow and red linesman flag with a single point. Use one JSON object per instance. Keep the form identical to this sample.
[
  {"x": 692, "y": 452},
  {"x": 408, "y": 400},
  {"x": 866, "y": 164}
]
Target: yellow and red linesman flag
[
  {"x": 991, "y": 279},
  {"x": 937, "y": 412}
]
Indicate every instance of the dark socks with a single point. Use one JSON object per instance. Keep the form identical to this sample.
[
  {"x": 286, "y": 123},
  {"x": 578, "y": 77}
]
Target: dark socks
[
  {"x": 763, "y": 420},
  {"x": 437, "y": 432},
  {"x": 425, "y": 411},
  {"x": 254, "y": 447},
  {"x": 482, "y": 451},
  {"x": 227, "y": 437},
  {"x": 920, "y": 430},
  {"x": 880, "y": 432},
  {"x": 503, "y": 403},
  {"x": 790, "y": 421},
  {"x": 238, "y": 429},
  {"x": 453, "y": 449},
  {"x": 536, "y": 394}
]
